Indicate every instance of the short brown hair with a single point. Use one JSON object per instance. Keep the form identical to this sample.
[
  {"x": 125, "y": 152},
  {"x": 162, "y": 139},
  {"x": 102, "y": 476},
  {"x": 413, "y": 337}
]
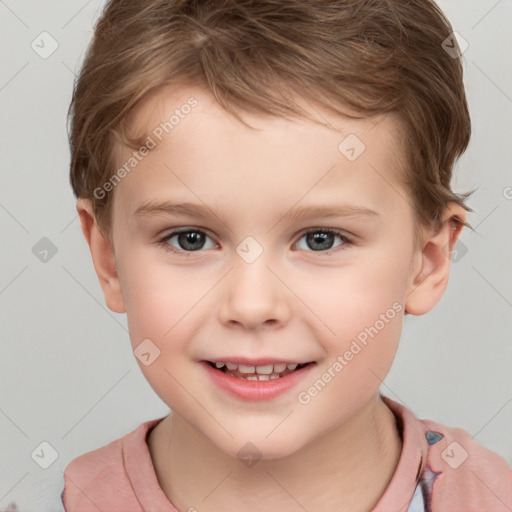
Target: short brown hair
[{"x": 367, "y": 56}]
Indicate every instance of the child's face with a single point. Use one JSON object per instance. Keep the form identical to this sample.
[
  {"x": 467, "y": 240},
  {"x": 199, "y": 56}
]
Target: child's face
[{"x": 304, "y": 298}]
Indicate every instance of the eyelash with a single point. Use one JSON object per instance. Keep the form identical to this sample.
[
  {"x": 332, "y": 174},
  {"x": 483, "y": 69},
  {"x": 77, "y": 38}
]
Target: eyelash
[{"x": 163, "y": 241}]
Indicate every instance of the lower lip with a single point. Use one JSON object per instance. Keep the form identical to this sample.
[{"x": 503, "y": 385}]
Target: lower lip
[{"x": 254, "y": 389}]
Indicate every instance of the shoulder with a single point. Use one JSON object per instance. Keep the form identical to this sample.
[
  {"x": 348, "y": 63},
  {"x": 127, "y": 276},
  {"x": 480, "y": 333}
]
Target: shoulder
[
  {"x": 457, "y": 473},
  {"x": 465, "y": 475},
  {"x": 91, "y": 477},
  {"x": 458, "y": 449},
  {"x": 90, "y": 474}
]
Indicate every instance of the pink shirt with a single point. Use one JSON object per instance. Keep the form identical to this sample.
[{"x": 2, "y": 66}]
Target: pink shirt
[{"x": 441, "y": 469}]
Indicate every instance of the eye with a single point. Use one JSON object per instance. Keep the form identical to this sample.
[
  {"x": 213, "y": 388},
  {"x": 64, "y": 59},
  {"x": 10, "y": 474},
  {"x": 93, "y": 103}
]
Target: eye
[
  {"x": 188, "y": 240},
  {"x": 321, "y": 240}
]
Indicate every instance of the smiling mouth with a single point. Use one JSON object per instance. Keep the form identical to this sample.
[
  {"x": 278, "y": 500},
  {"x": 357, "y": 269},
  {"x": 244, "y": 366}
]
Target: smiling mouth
[{"x": 260, "y": 373}]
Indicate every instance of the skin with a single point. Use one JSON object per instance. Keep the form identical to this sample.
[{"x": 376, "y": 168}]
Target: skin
[{"x": 297, "y": 301}]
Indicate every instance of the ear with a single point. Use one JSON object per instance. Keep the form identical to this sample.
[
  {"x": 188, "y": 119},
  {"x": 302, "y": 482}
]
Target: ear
[
  {"x": 431, "y": 280},
  {"x": 103, "y": 257}
]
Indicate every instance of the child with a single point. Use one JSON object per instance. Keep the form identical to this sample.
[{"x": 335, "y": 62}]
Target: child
[{"x": 214, "y": 144}]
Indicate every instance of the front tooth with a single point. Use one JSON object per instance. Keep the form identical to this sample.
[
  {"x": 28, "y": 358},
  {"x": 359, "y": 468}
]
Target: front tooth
[
  {"x": 231, "y": 366},
  {"x": 245, "y": 369},
  {"x": 278, "y": 368},
  {"x": 265, "y": 370},
  {"x": 291, "y": 366},
  {"x": 219, "y": 364}
]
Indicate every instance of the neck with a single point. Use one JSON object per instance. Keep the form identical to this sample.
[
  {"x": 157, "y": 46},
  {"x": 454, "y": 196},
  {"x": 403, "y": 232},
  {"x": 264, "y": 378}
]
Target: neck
[{"x": 347, "y": 469}]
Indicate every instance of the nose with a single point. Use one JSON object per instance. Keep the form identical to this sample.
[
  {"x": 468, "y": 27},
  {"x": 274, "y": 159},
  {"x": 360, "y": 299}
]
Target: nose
[{"x": 253, "y": 295}]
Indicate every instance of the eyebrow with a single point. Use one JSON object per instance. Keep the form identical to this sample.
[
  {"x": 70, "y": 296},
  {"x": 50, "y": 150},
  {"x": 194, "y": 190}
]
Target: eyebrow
[{"x": 294, "y": 214}]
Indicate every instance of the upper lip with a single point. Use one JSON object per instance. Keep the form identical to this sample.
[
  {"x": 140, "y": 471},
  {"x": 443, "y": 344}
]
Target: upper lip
[{"x": 261, "y": 361}]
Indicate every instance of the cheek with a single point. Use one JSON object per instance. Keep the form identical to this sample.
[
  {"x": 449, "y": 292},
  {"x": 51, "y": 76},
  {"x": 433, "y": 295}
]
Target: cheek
[
  {"x": 361, "y": 310},
  {"x": 366, "y": 321},
  {"x": 160, "y": 302},
  {"x": 158, "y": 297},
  {"x": 352, "y": 297}
]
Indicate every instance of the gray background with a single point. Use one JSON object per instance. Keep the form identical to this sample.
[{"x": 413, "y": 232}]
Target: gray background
[{"x": 67, "y": 373}]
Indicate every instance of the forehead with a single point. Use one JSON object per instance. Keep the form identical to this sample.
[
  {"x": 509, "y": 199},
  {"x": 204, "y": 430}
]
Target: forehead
[{"x": 201, "y": 152}]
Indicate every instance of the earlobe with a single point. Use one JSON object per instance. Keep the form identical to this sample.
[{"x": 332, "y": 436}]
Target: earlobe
[
  {"x": 429, "y": 283},
  {"x": 103, "y": 257}
]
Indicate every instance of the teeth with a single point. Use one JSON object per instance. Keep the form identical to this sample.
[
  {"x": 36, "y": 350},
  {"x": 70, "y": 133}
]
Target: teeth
[
  {"x": 246, "y": 369},
  {"x": 255, "y": 376},
  {"x": 262, "y": 372},
  {"x": 266, "y": 370}
]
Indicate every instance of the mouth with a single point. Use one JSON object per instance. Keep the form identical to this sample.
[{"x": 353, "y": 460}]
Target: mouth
[{"x": 270, "y": 371}]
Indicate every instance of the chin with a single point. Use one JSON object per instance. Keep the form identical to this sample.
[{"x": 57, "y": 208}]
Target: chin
[{"x": 250, "y": 450}]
